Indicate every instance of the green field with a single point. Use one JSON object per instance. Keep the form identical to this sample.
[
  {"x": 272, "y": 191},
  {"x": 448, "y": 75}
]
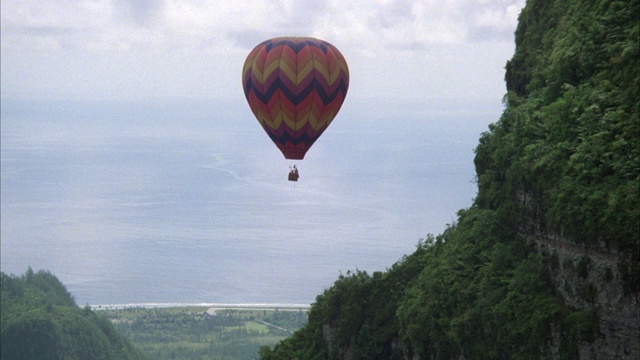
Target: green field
[{"x": 203, "y": 332}]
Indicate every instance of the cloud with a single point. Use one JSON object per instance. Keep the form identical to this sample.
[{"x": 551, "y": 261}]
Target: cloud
[
  {"x": 186, "y": 47},
  {"x": 118, "y": 24},
  {"x": 496, "y": 20},
  {"x": 140, "y": 12}
]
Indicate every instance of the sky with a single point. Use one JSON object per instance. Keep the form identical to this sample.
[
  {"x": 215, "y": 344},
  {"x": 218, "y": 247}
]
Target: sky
[{"x": 164, "y": 49}]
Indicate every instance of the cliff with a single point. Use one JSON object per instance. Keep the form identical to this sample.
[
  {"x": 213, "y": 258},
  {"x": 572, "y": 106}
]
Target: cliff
[
  {"x": 574, "y": 80},
  {"x": 545, "y": 263}
]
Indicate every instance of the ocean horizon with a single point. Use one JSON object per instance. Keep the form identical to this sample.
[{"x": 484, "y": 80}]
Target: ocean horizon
[{"x": 187, "y": 202}]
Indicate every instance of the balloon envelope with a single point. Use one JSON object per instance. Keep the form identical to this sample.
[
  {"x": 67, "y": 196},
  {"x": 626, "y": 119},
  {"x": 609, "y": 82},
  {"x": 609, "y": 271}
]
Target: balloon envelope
[{"x": 295, "y": 86}]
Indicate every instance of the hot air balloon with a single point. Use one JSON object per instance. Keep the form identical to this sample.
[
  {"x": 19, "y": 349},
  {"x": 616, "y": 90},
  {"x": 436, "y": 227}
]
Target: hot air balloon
[{"x": 295, "y": 86}]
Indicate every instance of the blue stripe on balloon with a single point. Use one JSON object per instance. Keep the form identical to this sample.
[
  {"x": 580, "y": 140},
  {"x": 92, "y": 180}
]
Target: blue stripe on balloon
[
  {"x": 293, "y": 98},
  {"x": 270, "y": 44},
  {"x": 282, "y": 140}
]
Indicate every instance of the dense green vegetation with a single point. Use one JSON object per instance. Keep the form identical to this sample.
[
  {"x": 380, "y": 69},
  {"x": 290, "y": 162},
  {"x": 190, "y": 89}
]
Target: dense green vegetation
[
  {"x": 190, "y": 333},
  {"x": 565, "y": 154},
  {"x": 568, "y": 140},
  {"x": 562, "y": 161},
  {"x": 40, "y": 320}
]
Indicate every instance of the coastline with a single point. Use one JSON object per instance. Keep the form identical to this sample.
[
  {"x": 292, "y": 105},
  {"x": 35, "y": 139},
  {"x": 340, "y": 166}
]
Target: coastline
[{"x": 210, "y": 306}]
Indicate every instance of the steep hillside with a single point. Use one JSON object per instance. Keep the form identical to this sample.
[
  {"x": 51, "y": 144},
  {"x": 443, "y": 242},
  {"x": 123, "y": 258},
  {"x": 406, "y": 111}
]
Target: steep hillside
[
  {"x": 545, "y": 263},
  {"x": 563, "y": 162},
  {"x": 40, "y": 320}
]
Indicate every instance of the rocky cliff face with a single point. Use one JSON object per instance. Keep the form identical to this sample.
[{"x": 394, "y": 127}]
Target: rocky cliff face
[{"x": 590, "y": 279}]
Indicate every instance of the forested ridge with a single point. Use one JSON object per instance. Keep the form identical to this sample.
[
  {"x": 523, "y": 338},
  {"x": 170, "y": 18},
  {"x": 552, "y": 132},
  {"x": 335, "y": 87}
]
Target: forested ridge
[
  {"x": 40, "y": 320},
  {"x": 544, "y": 264}
]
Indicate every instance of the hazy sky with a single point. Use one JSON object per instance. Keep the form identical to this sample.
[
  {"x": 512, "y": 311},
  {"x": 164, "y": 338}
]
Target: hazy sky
[{"x": 139, "y": 49}]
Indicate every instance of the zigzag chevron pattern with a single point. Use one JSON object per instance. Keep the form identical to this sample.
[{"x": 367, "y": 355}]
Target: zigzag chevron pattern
[{"x": 295, "y": 86}]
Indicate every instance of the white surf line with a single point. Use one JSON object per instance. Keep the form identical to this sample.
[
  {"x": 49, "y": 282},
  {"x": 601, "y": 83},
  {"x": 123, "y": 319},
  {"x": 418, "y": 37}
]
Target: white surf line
[{"x": 211, "y": 306}]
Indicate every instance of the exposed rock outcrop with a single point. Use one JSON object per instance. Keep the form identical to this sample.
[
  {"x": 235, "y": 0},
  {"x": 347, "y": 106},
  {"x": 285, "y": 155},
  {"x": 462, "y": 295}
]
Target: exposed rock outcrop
[{"x": 590, "y": 279}]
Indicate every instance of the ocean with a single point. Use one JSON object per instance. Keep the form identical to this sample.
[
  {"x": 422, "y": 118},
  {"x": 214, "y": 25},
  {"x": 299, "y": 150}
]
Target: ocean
[{"x": 187, "y": 201}]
